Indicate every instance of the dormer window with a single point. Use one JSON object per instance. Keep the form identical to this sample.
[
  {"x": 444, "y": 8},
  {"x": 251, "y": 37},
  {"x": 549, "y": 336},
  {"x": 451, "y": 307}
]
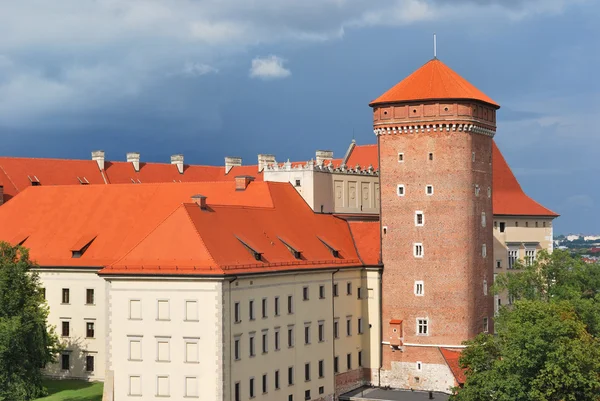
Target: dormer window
[
  {"x": 256, "y": 254},
  {"x": 334, "y": 252},
  {"x": 35, "y": 182},
  {"x": 82, "y": 245},
  {"x": 83, "y": 181},
  {"x": 297, "y": 254}
]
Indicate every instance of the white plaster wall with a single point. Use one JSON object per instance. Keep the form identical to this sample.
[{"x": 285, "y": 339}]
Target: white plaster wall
[
  {"x": 432, "y": 377},
  {"x": 77, "y": 312},
  {"x": 207, "y": 331}
]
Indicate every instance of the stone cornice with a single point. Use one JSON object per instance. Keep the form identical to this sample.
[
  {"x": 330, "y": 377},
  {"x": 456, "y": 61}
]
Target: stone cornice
[{"x": 417, "y": 128}]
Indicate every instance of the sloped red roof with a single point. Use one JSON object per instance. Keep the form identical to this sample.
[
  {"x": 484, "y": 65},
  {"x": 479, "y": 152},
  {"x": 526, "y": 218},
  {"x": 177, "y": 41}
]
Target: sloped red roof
[
  {"x": 508, "y": 197},
  {"x": 364, "y": 155},
  {"x": 433, "y": 81},
  {"x": 451, "y": 357},
  {"x": 366, "y": 237}
]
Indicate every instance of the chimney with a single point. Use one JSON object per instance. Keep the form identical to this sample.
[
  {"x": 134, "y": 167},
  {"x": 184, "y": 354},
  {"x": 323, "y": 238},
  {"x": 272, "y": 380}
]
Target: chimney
[
  {"x": 242, "y": 182},
  {"x": 231, "y": 162},
  {"x": 178, "y": 161},
  {"x": 1, "y": 194},
  {"x": 199, "y": 200},
  {"x": 264, "y": 160},
  {"x": 323, "y": 155},
  {"x": 134, "y": 158},
  {"x": 98, "y": 156}
]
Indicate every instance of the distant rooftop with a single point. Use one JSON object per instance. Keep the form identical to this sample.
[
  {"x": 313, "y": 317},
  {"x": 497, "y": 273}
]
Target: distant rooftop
[{"x": 373, "y": 394}]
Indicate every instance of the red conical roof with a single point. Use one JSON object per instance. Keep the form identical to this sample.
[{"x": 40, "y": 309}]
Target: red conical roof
[{"x": 433, "y": 81}]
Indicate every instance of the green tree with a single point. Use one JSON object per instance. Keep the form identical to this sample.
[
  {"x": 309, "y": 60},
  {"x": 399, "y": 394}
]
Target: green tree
[
  {"x": 26, "y": 342},
  {"x": 546, "y": 346}
]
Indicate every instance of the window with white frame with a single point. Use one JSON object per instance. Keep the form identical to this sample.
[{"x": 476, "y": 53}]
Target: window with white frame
[
  {"x": 162, "y": 309},
  {"x": 251, "y": 309},
  {"x": 419, "y": 366},
  {"x": 251, "y": 344},
  {"x": 135, "y": 385},
  {"x": 419, "y": 288},
  {"x": 419, "y": 218},
  {"x": 237, "y": 351},
  {"x": 237, "y": 313},
  {"x": 400, "y": 157},
  {"x": 191, "y": 311},
  {"x": 422, "y": 326},
  {"x": 277, "y": 339},
  {"x": 483, "y": 250},
  {"x": 418, "y": 250},
  {"x": 306, "y": 333},
  {"x": 192, "y": 354},
  {"x": 483, "y": 222},
  {"x": 135, "y": 349},
  {"x": 135, "y": 309},
  {"x": 529, "y": 256},
  {"x": 360, "y": 325},
  {"x": 400, "y": 190},
  {"x": 429, "y": 190},
  {"x": 191, "y": 386},
  {"x": 162, "y": 386},
  {"x": 162, "y": 349},
  {"x": 265, "y": 341},
  {"x": 349, "y": 325},
  {"x": 513, "y": 256}
]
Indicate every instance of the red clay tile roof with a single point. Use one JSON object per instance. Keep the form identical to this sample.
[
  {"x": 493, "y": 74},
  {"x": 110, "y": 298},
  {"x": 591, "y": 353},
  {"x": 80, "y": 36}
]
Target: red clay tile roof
[
  {"x": 508, "y": 197},
  {"x": 364, "y": 155},
  {"x": 366, "y": 237},
  {"x": 451, "y": 357},
  {"x": 433, "y": 81}
]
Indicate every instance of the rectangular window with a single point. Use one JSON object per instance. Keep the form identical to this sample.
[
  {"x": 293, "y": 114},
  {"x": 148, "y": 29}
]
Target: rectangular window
[
  {"x": 251, "y": 309},
  {"x": 305, "y": 293},
  {"x": 276, "y": 306},
  {"x": 422, "y": 327},
  {"x": 429, "y": 190},
  {"x": 321, "y": 389},
  {"x": 251, "y": 387},
  {"x": 251, "y": 345},
  {"x": 485, "y": 325},
  {"x": 265, "y": 345},
  {"x": 64, "y": 362},
  {"x": 418, "y": 250},
  {"x": 336, "y": 367},
  {"x": 307, "y": 394},
  {"x": 89, "y": 363},
  {"x": 277, "y": 380},
  {"x": 163, "y": 309},
  {"x": 162, "y": 386},
  {"x": 277, "y": 339},
  {"x": 349, "y": 326},
  {"x": 65, "y": 296},
  {"x": 430, "y": 156},
  {"x": 290, "y": 336},
  {"x": 238, "y": 392},
  {"x": 191, "y": 386},
  {"x": 349, "y": 361},
  {"x": 499, "y": 264},
  {"x": 236, "y": 312},
  {"x": 360, "y": 325},
  {"x": 264, "y": 384},
  {"x": 135, "y": 309},
  {"x": 483, "y": 220},
  {"x": 290, "y": 304},
  {"x": 163, "y": 351},
  {"x": 65, "y": 329},
  {"x": 359, "y": 293},
  {"x": 419, "y": 220},
  {"x": 236, "y": 349},
  {"x": 483, "y": 250},
  {"x": 359, "y": 359},
  {"x": 321, "y": 332},
  {"x": 400, "y": 157},
  {"x": 264, "y": 308},
  {"x": 306, "y": 333},
  {"x": 348, "y": 288},
  {"x": 335, "y": 290},
  {"x": 191, "y": 311},
  {"x": 192, "y": 351},
  {"x": 321, "y": 369},
  {"x": 135, "y": 350},
  {"x": 513, "y": 256},
  {"x": 89, "y": 329},
  {"x": 336, "y": 328},
  {"x": 135, "y": 385},
  {"x": 400, "y": 190},
  {"x": 321, "y": 292},
  {"x": 529, "y": 256},
  {"x": 419, "y": 288},
  {"x": 291, "y": 376},
  {"x": 419, "y": 366},
  {"x": 89, "y": 296},
  {"x": 502, "y": 226},
  {"x": 307, "y": 371}
]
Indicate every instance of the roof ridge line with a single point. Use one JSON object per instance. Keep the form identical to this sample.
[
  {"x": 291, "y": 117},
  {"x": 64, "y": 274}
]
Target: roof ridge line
[
  {"x": 10, "y": 179},
  {"x": 217, "y": 265}
]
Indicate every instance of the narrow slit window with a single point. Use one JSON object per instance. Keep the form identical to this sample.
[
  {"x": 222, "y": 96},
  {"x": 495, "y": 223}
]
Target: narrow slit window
[
  {"x": 400, "y": 190},
  {"x": 400, "y": 157}
]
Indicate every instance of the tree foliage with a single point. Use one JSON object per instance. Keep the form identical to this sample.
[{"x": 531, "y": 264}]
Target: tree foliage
[
  {"x": 26, "y": 342},
  {"x": 546, "y": 346}
]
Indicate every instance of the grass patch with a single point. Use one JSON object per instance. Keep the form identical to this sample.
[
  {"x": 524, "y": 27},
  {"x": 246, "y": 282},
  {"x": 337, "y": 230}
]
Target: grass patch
[{"x": 72, "y": 390}]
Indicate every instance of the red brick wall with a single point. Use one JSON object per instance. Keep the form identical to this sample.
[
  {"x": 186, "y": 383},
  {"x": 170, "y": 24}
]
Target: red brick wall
[{"x": 351, "y": 380}]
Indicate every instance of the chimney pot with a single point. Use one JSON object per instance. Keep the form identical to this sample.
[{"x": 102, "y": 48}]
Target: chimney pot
[
  {"x": 264, "y": 160},
  {"x": 231, "y": 162},
  {"x": 242, "y": 182},
  {"x": 178, "y": 161},
  {"x": 323, "y": 155},
  {"x": 98, "y": 156},
  {"x": 199, "y": 200},
  {"x": 134, "y": 158}
]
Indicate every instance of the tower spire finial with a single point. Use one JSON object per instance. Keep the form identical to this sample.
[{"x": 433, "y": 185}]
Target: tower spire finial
[{"x": 434, "y": 46}]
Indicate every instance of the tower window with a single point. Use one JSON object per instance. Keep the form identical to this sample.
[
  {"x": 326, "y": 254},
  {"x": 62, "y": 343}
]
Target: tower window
[
  {"x": 422, "y": 326},
  {"x": 483, "y": 250},
  {"x": 473, "y": 156},
  {"x": 485, "y": 287},
  {"x": 430, "y": 156},
  {"x": 418, "y": 250},
  {"x": 429, "y": 189},
  {"x": 476, "y": 190},
  {"x": 385, "y": 230},
  {"x": 419, "y": 288},
  {"x": 502, "y": 226},
  {"x": 483, "y": 219},
  {"x": 419, "y": 218},
  {"x": 489, "y": 192},
  {"x": 400, "y": 157},
  {"x": 400, "y": 190}
]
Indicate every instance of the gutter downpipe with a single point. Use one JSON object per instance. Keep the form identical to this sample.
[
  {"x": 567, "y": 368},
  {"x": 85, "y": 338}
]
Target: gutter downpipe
[
  {"x": 231, "y": 395},
  {"x": 332, "y": 330}
]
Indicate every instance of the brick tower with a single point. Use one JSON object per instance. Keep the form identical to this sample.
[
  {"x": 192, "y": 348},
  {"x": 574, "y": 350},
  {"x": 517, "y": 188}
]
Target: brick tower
[{"x": 434, "y": 132}]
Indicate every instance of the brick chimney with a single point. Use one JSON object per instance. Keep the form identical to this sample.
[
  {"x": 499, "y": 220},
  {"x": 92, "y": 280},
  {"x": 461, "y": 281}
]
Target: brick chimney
[
  {"x": 178, "y": 161},
  {"x": 323, "y": 156},
  {"x": 242, "y": 182},
  {"x": 264, "y": 160},
  {"x": 231, "y": 162},
  {"x": 98, "y": 156},
  {"x": 199, "y": 200},
  {"x": 1, "y": 194},
  {"x": 134, "y": 158}
]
